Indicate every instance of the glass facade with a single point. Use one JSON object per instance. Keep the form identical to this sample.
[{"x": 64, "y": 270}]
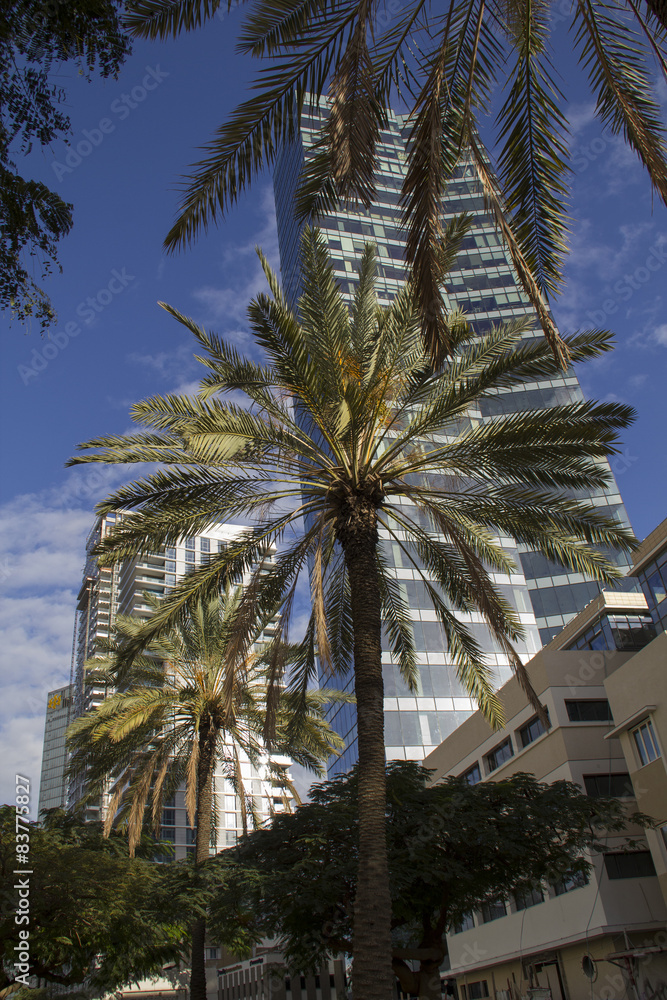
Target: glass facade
[
  {"x": 484, "y": 285},
  {"x": 626, "y": 632},
  {"x": 653, "y": 580},
  {"x": 53, "y": 784}
]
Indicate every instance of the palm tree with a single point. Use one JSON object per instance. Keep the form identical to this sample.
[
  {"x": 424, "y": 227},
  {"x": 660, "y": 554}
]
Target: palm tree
[
  {"x": 348, "y": 431},
  {"x": 182, "y": 710},
  {"x": 444, "y": 65}
]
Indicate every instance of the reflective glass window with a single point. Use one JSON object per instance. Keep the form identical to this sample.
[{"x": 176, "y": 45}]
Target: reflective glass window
[
  {"x": 499, "y": 755},
  {"x": 531, "y": 731},
  {"x": 575, "y": 880},
  {"x": 590, "y": 710},
  {"x": 473, "y": 775},
  {"x": 528, "y": 898},
  {"x": 609, "y": 785},
  {"x": 630, "y": 864},
  {"x": 646, "y": 742},
  {"x": 657, "y": 587},
  {"x": 492, "y": 911}
]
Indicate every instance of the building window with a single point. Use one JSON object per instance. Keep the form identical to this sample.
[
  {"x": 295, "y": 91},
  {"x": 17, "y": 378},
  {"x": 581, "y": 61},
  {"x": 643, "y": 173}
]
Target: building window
[
  {"x": 205, "y": 544},
  {"x": 646, "y": 742},
  {"x": 575, "y": 880},
  {"x": 212, "y": 953},
  {"x": 531, "y": 731},
  {"x": 478, "y": 990},
  {"x": 473, "y": 774},
  {"x": 492, "y": 911},
  {"x": 633, "y": 864},
  {"x": 189, "y": 556},
  {"x": 528, "y": 898},
  {"x": 189, "y": 543},
  {"x": 657, "y": 587},
  {"x": 591, "y": 710},
  {"x": 617, "y": 786},
  {"x": 466, "y": 923},
  {"x": 632, "y": 632},
  {"x": 499, "y": 755}
]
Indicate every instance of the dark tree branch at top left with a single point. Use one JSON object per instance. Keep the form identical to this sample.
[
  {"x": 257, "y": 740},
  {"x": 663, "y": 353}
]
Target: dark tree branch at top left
[{"x": 35, "y": 37}]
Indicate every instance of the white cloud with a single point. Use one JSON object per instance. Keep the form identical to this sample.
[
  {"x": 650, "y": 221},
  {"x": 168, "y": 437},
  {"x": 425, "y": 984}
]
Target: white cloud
[
  {"x": 241, "y": 274},
  {"x": 42, "y": 546},
  {"x": 659, "y": 335},
  {"x": 579, "y": 117},
  {"x": 168, "y": 365}
]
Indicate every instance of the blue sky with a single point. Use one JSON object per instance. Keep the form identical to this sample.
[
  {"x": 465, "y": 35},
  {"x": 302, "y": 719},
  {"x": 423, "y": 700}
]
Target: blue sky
[{"x": 113, "y": 345}]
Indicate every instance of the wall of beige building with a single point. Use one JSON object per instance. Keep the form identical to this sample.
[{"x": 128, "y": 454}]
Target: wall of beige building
[
  {"x": 637, "y": 693},
  {"x": 542, "y": 946}
]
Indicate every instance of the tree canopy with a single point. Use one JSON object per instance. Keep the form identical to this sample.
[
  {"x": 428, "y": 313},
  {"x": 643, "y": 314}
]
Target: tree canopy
[
  {"x": 36, "y": 36},
  {"x": 98, "y": 918},
  {"x": 451, "y": 848}
]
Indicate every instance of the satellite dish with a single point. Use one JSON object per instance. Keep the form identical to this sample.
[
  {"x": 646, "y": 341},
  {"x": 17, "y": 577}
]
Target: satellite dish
[{"x": 589, "y": 968}]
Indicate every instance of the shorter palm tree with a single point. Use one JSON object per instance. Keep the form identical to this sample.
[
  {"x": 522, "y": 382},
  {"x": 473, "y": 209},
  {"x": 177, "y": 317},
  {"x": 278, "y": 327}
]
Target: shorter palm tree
[{"x": 180, "y": 712}]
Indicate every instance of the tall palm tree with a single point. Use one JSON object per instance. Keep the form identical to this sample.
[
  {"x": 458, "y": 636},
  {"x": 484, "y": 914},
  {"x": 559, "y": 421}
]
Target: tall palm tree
[
  {"x": 182, "y": 710},
  {"x": 444, "y": 64},
  {"x": 348, "y": 433}
]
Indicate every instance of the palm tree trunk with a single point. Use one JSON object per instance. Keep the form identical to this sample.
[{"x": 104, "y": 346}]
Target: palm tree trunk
[
  {"x": 202, "y": 841},
  {"x": 372, "y": 975}
]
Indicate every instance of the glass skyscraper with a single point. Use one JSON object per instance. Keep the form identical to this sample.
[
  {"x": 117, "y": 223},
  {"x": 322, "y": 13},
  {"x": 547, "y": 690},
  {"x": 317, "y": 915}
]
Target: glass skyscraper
[{"x": 482, "y": 284}]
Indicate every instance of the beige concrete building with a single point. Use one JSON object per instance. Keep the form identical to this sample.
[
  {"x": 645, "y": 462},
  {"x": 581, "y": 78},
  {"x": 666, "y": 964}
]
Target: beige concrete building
[
  {"x": 637, "y": 694},
  {"x": 605, "y": 938}
]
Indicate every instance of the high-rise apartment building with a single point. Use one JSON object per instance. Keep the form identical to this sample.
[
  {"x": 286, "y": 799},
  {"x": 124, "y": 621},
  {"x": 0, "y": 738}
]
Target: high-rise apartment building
[
  {"x": 484, "y": 285},
  {"x": 121, "y": 589},
  {"x": 53, "y": 783}
]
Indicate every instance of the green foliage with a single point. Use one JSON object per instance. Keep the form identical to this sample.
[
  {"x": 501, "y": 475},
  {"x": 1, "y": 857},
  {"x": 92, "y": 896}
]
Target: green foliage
[
  {"x": 451, "y": 847},
  {"x": 35, "y": 36},
  {"x": 348, "y": 430},
  {"x": 146, "y": 736},
  {"x": 445, "y": 64},
  {"x": 371, "y": 423},
  {"x": 98, "y": 918}
]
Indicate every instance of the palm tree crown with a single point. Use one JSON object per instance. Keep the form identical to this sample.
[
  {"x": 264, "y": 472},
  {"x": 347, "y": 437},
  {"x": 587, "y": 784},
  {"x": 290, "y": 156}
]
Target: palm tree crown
[
  {"x": 349, "y": 432},
  {"x": 444, "y": 64}
]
